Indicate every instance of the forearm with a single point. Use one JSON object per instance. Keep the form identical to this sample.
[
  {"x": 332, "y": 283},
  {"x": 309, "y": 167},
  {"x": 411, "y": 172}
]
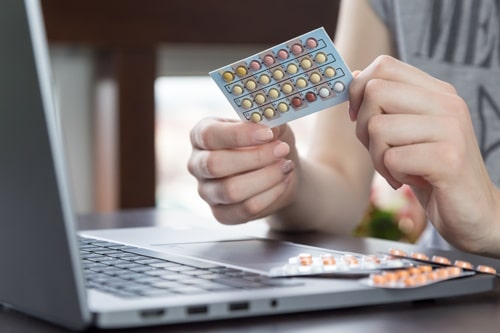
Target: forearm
[
  {"x": 334, "y": 182},
  {"x": 327, "y": 200},
  {"x": 489, "y": 243}
]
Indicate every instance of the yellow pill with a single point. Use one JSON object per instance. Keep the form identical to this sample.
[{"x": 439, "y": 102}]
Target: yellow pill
[
  {"x": 241, "y": 71},
  {"x": 292, "y": 69},
  {"x": 251, "y": 85},
  {"x": 246, "y": 103},
  {"x": 315, "y": 77},
  {"x": 237, "y": 90},
  {"x": 287, "y": 88},
  {"x": 256, "y": 117},
  {"x": 283, "y": 107},
  {"x": 228, "y": 76},
  {"x": 301, "y": 83},
  {"x": 264, "y": 79},
  {"x": 320, "y": 58},
  {"x": 260, "y": 98},
  {"x": 269, "y": 112},
  {"x": 278, "y": 74},
  {"x": 274, "y": 93},
  {"x": 306, "y": 63},
  {"x": 329, "y": 72}
]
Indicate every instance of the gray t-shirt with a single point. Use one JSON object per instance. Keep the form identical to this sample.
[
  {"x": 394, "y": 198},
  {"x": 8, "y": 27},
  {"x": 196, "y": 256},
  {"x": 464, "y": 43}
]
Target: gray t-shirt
[{"x": 458, "y": 42}]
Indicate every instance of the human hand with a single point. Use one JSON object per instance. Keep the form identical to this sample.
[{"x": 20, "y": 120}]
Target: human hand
[
  {"x": 418, "y": 131},
  {"x": 244, "y": 170}
]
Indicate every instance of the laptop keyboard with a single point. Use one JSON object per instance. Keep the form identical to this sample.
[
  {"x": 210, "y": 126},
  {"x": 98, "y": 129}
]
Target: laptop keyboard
[{"x": 127, "y": 271}]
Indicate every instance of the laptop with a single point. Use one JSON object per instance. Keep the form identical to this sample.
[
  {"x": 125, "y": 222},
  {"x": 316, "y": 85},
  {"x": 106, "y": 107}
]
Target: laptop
[{"x": 137, "y": 276}]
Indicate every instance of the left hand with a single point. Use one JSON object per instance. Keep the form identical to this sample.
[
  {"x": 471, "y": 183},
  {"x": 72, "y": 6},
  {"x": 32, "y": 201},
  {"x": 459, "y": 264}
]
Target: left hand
[{"x": 418, "y": 131}]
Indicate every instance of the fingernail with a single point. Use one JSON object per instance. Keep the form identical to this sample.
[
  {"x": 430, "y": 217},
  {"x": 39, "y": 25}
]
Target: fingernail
[
  {"x": 282, "y": 149},
  {"x": 263, "y": 135},
  {"x": 287, "y": 167}
]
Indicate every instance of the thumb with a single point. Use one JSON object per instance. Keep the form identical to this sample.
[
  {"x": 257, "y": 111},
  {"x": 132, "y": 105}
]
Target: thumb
[{"x": 353, "y": 114}]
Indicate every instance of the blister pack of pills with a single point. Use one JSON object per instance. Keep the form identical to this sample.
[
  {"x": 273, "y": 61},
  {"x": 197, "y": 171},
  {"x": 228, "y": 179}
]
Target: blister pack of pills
[
  {"x": 306, "y": 264},
  {"x": 301, "y": 76},
  {"x": 443, "y": 261},
  {"x": 414, "y": 277}
]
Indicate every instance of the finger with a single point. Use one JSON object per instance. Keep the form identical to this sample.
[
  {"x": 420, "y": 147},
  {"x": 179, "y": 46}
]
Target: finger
[
  {"x": 205, "y": 164},
  {"x": 391, "y": 69},
  {"x": 239, "y": 188},
  {"x": 431, "y": 161},
  {"x": 377, "y": 149},
  {"x": 388, "y": 97},
  {"x": 392, "y": 130},
  {"x": 352, "y": 114},
  {"x": 387, "y": 131},
  {"x": 214, "y": 134},
  {"x": 253, "y": 208},
  {"x": 416, "y": 165}
]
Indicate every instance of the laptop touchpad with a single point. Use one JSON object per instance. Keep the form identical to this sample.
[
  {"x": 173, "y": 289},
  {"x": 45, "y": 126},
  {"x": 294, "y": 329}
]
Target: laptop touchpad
[{"x": 255, "y": 254}]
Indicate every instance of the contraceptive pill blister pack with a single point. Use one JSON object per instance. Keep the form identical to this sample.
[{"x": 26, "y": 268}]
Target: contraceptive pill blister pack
[
  {"x": 442, "y": 261},
  {"x": 301, "y": 76},
  {"x": 414, "y": 277},
  {"x": 394, "y": 269},
  {"x": 426, "y": 270},
  {"x": 338, "y": 264}
]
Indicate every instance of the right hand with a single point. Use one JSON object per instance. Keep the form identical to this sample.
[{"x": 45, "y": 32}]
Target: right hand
[
  {"x": 419, "y": 132},
  {"x": 245, "y": 171}
]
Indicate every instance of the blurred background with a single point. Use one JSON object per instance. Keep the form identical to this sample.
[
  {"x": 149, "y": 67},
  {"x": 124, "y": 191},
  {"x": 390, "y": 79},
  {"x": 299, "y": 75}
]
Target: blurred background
[{"x": 131, "y": 81}]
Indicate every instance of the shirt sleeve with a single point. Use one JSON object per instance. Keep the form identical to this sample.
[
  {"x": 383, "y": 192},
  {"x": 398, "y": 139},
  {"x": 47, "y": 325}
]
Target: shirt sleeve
[{"x": 381, "y": 8}]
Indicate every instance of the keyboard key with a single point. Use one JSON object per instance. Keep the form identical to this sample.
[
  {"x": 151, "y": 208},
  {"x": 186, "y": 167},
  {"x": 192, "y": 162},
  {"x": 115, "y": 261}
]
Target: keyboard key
[{"x": 127, "y": 272}]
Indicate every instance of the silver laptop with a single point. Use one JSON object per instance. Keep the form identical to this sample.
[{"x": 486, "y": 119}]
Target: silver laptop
[{"x": 126, "y": 277}]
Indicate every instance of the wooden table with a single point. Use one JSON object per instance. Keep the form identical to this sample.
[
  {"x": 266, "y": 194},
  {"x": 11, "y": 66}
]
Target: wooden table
[{"x": 476, "y": 313}]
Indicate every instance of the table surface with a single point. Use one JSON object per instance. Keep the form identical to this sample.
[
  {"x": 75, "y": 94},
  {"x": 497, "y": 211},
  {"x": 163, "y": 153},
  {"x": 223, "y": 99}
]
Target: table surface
[{"x": 479, "y": 313}]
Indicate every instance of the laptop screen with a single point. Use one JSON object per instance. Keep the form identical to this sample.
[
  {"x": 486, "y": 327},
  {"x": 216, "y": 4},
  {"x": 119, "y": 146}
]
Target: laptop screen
[{"x": 37, "y": 240}]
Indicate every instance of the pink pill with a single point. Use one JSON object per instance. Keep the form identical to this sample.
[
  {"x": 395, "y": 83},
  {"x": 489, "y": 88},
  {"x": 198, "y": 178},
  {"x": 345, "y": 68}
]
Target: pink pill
[
  {"x": 311, "y": 43},
  {"x": 297, "y": 48},
  {"x": 283, "y": 54},
  {"x": 268, "y": 60},
  {"x": 254, "y": 65}
]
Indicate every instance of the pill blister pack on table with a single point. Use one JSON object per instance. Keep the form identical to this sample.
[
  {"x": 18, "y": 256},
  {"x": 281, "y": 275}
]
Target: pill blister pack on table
[
  {"x": 305, "y": 264},
  {"x": 425, "y": 271},
  {"x": 414, "y": 277},
  {"x": 301, "y": 76},
  {"x": 442, "y": 261}
]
